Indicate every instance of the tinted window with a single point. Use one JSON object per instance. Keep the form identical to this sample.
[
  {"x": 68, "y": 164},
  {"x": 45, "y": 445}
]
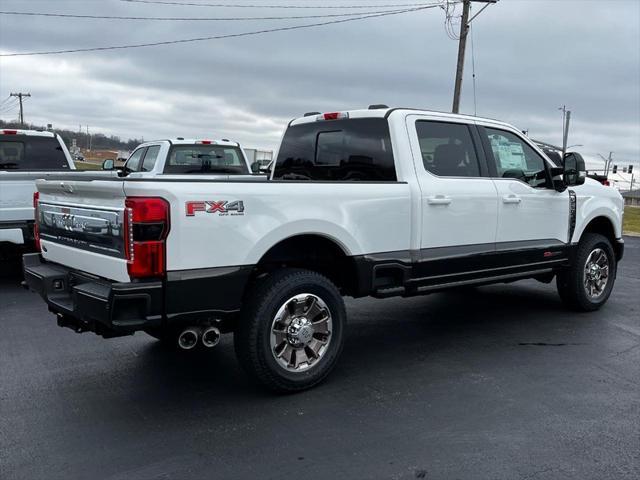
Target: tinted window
[
  {"x": 515, "y": 159},
  {"x": 349, "y": 150},
  {"x": 447, "y": 149},
  {"x": 133, "y": 164},
  {"x": 150, "y": 158},
  {"x": 205, "y": 159},
  {"x": 24, "y": 152}
]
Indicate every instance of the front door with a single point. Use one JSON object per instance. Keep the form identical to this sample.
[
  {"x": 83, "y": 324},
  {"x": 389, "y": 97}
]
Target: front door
[{"x": 530, "y": 212}]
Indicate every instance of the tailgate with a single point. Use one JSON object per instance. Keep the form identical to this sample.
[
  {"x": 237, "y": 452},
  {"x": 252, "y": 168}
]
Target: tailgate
[{"x": 82, "y": 224}]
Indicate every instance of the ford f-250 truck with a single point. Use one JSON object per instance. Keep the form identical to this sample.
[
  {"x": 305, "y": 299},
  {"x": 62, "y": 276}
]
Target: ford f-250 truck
[{"x": 377, "y": 202}]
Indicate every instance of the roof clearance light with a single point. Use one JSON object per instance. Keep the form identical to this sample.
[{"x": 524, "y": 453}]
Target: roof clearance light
[
  {"x": 10, "y": 132},
  {"x": 333, "y": 116}
]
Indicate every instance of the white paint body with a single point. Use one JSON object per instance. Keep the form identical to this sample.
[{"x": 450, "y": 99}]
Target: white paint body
[{"x": 362, "y": 218}]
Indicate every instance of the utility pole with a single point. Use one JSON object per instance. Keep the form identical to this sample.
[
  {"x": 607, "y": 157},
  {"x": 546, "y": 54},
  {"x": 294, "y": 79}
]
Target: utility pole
[
  {"x": 607, "y": 163},
  {"x": 462, "y": 45},
  {"x": 565, "y": 133},
  {"x": 88, "y": 138},
  {"x": 20, "y": 95}
]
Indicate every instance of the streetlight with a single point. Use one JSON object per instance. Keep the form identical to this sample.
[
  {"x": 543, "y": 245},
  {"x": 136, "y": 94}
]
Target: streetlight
[{"x": 576, "y": 145}]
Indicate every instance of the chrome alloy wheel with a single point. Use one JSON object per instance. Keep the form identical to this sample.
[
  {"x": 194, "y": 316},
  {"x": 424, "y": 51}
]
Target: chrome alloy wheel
[
  {"x": 596, "y": 273},
  {"x": 300, "y": 332}
]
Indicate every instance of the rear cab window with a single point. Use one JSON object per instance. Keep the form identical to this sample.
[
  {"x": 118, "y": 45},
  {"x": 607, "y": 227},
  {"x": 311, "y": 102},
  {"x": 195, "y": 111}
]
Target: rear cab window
[
  {"x": 150, "y": 158},
  {"x": 27, "y": 152},
  {"x": 357, "y": 149},
  {"x": 206, "y": 159}
]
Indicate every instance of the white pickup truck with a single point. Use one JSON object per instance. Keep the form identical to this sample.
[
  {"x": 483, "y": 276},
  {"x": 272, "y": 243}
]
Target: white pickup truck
[
  {"x": 217, "y": 159},
  {"x": 377, "y": 202},
  {"x": 26, "y": 155}
]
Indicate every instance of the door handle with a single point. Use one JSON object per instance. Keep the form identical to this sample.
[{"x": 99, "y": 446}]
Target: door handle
[
  {"x": 439, "y": 200},
  {"x": 511, "y": 199}
]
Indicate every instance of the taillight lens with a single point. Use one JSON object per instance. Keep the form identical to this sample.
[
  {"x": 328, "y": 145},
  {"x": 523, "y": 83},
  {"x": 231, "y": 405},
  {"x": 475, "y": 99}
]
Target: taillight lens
[
  {"x": 36, "y": 230},
  {"x": 147, "y": 226}
]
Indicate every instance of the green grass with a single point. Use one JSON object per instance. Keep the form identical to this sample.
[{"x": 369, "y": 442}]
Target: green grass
[
  {"x": 87, "y": 166},
  {"x": 631, "y": 220}
]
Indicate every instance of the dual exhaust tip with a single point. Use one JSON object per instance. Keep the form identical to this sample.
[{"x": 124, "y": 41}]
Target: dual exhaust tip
[{"x": 188, "y": 338}]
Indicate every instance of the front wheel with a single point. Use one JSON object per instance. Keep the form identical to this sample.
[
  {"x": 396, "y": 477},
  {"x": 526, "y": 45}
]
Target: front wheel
[
  {"x": 587, "y": 284},
  {"x": 291, "y": 330}
]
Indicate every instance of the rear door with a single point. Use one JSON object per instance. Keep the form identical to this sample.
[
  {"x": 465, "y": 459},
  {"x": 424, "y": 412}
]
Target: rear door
[
  {"x": 531, "y": 213},
  {"x": 459, "y": 201}
]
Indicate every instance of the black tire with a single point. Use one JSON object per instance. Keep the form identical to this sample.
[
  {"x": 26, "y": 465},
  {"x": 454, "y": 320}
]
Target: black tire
[
  {"x": 252, "y": 335},
  {"x": 570, "y": 282}
]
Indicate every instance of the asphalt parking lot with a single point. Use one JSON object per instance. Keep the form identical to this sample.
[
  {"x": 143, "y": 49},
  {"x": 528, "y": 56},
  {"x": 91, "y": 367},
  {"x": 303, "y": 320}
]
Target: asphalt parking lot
[{"x": 498, "y": 382}]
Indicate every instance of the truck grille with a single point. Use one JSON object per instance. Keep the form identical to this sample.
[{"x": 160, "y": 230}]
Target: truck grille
[{"x": 96, "y": 230}]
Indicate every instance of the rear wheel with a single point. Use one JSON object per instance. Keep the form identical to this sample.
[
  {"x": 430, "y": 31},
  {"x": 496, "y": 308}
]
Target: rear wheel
[
  {"x": 587, "y": 284},
  {"x": 291, "y": 330}
]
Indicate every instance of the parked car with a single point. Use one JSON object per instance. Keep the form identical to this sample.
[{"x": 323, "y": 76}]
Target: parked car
[
  {"x": 217, "y": 159},
  {"x": 380, "y": 202},
  {"x": 26, "y": 155}
]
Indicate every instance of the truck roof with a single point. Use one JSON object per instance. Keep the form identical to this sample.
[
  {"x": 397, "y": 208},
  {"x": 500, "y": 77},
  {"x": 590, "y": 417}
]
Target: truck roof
[
  {"x": 384, "y": 112},
  {"x": 32, "y": 133},
  {"x": 192, "y": 141}
]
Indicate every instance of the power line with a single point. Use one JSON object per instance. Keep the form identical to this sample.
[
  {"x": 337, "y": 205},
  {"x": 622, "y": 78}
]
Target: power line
[
  {"x": 9, "y": 105},
  {"x": 236, "y": 5},
  {"x": 190, "y": 19},
  {"x": 216, "y": 37},
  {"x": 5, "y": 100}
]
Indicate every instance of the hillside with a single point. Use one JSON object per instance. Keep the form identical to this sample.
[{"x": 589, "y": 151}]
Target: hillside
[{"x": 98, "y": 140}]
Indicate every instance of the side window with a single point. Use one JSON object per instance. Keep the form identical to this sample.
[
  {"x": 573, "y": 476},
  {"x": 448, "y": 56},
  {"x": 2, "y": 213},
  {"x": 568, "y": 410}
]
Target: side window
[
  {"x": 356, "y": 149},
  {"x": 150, "y": 158},
  {"x": 447, "y": 149},
  {"x": 133, "y": 164},
  {"x": 515, "y": 159}
]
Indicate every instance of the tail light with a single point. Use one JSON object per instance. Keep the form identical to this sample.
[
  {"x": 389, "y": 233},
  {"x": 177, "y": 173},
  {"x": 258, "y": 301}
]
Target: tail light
[
  {"x": 147, "y": 226},
  {"x": 36, "y": 230},
  {"x": 606, "y": 183}
]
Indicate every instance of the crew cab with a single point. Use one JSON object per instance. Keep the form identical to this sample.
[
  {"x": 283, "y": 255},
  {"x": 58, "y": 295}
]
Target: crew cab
[
  {"x": 376, "y": 202},
  {"x": 26, "y": 155},
  {"x": 218, "y": 159}
]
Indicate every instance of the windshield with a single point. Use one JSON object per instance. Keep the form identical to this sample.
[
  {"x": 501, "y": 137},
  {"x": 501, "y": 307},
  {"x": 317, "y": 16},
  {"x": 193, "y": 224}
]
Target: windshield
[
  {"x": 23, "y": 152},
  {"x": 206, "y": 159}
]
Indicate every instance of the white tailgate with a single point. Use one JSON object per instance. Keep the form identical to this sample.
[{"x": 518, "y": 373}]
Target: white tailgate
[{"x": 81, "y": 226}]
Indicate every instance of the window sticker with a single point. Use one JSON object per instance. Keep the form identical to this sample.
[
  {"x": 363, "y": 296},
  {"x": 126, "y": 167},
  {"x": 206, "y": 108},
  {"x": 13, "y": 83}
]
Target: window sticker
[{"x": 510, "y": 155}]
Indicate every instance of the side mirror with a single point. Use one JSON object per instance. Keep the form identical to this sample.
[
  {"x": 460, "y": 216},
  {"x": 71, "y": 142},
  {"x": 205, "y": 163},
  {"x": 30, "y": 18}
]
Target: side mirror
[
  {"x": 574, "y": 171},
  {"x": 255, "y": 167},
  {"x": 108, "y": 164}
]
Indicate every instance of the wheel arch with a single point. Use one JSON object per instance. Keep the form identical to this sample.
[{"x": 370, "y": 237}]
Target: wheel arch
[
  {"x": 604, "y": 225},
  {"x": 312, "y": 251}
]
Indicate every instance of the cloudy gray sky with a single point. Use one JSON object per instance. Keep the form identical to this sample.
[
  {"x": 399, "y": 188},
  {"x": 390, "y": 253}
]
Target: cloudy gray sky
[{"x": 531, "y": 56}]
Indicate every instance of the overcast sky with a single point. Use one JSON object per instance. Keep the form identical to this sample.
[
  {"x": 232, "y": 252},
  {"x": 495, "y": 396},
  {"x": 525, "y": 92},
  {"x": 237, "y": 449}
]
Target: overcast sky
[{"x": 531, "y": 56}]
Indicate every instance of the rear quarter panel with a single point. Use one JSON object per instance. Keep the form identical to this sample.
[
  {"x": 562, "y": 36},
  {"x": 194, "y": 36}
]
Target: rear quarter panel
[{"x": 360, "y": 217}]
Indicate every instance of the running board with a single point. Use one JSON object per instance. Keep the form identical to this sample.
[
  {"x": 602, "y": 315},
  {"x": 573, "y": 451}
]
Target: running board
[{"x": 412, "y": 289}]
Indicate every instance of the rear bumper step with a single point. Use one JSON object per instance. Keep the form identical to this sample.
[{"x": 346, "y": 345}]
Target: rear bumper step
[{"x": 85, "y": 303}]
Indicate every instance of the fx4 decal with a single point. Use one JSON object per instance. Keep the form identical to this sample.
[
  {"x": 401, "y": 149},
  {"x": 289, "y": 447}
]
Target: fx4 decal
[{"x": 221, "y": 207}]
